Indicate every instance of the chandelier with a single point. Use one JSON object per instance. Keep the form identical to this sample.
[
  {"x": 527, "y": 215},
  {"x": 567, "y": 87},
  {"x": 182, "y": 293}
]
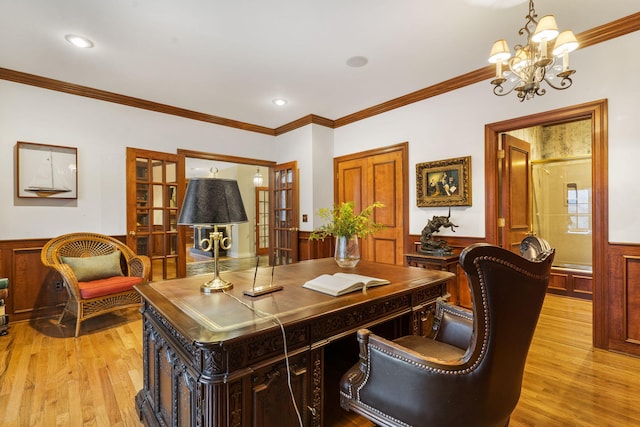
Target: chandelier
[{"x": 531, "y": 65}]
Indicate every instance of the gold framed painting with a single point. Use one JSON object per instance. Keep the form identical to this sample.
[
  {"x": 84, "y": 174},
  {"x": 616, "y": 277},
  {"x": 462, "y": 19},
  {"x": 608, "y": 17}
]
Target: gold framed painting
[
  {"x": 46, "y": 171},
  {"x": 444, "y": 182}
]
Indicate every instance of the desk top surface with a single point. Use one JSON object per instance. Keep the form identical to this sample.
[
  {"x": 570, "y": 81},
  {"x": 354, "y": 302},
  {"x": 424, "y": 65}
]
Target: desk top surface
[{"x": 216, "y": 317}]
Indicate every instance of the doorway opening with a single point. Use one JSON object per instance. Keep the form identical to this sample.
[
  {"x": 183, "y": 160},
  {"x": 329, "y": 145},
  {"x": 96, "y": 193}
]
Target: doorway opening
[
  {"x": 562, "y": 192},
  {"x": 248, "y": 240},
  {"x": 560, "y": 195},
  {"x": 597, "y": 112}
]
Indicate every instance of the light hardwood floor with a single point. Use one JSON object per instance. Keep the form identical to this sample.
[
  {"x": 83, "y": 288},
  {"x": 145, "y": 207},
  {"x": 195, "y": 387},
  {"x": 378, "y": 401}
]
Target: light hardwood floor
[{"x": 48, "y": 378}]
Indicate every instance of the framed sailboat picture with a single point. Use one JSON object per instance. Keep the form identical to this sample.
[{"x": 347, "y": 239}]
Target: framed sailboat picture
[{"x": 47, "y": 171}]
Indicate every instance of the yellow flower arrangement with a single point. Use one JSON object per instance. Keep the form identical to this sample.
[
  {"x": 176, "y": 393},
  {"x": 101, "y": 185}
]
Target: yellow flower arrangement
[{"x": 342, "y": 221}]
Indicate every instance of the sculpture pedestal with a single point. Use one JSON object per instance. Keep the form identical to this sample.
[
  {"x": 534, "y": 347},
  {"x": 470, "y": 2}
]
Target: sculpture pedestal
[{"x": 439, "y": 262}]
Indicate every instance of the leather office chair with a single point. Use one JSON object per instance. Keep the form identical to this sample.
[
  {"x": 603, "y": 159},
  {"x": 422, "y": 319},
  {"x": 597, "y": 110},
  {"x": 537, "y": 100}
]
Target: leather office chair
[
  {"x": 454, "y": 324},
  {"x": 532, "y": 247},
  {"x": 438, "y": 381}
]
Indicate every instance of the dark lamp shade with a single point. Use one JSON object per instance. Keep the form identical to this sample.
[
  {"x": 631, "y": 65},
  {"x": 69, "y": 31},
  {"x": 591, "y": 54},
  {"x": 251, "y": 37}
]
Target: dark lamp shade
[{"x": 212, "y": 201}]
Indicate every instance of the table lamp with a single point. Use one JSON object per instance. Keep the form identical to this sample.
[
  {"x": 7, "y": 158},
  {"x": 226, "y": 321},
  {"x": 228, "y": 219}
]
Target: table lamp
[{"x": 213, "y": 202}]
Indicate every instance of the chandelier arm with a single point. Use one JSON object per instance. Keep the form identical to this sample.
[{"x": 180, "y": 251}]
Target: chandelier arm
[
  {"x": 499, "y": 90},
  {"x": 565, "y": 83}
]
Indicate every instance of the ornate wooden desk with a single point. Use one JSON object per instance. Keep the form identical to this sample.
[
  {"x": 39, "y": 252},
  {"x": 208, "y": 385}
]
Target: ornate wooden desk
[{"x": 209, "y": 360}]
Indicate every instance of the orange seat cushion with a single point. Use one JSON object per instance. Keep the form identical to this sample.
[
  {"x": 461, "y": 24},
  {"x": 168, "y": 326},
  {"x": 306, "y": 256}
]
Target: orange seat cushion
[{"x": 111, "y": 285}]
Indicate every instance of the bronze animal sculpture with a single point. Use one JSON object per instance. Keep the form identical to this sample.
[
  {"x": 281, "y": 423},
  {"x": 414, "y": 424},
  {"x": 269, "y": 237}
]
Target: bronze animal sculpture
[{"x": 432, "y": 246}]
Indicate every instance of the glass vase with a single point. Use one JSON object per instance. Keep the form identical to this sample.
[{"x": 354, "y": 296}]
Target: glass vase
[{"x": 347, "y": 252}]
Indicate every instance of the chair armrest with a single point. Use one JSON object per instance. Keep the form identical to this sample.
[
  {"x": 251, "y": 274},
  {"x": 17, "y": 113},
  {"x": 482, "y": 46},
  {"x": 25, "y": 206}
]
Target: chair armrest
[
  {"x": 139, "y": 266},
  {"x": 69, "y": 278},
  {"x": 453, "y": 325},
  {"x": 398, "y": 378}
]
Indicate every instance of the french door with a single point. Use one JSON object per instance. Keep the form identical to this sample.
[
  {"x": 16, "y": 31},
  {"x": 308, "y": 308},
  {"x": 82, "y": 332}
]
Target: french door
[
  {"x": 152, "y": 209},
  {"x": 284, "y": 214}
]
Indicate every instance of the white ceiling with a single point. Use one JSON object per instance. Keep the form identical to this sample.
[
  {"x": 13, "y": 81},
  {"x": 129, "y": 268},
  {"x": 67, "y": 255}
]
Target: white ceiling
[{"x": 231, "y": 58}]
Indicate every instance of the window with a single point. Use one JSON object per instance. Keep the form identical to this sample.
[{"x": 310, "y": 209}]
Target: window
[{"x": 578, "y": 208}]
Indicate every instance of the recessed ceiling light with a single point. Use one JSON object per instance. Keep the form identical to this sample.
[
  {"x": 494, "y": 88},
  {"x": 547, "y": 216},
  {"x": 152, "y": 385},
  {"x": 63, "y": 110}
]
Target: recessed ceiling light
[
  {"x": 279, "y": 102},
  {"x": 357, "y": 61},
  {"x": 79, "y": 41}
]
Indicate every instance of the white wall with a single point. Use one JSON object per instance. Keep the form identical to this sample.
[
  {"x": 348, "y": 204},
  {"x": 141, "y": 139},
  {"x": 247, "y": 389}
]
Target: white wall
[
  {"x": 312, "y": 147},
  {"x": 322, "y": 175},
  {"x": 101, "y": 131},
  {"x": 452, "y": 125},
  {"x": 244, "y": 239},
  {"x": 447, "y": 126}
]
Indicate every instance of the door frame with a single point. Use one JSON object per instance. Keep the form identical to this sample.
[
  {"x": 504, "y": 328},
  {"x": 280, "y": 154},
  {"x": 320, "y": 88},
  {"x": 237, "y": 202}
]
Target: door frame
[
  {"x": 182, "y": 184},
  {"x": 597, "y": 111}
]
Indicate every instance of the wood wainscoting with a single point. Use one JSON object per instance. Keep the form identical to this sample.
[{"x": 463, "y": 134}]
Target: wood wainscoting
[
  {"x": 35, "y": 291},
  {"x": 571, "y": 282},
  {"x": 314, "y": 249},
  {"x": 622, "y": 296}
]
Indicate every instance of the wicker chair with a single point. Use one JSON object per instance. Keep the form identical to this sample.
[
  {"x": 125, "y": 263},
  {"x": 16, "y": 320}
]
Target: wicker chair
[{"x": 100, "y": 289}]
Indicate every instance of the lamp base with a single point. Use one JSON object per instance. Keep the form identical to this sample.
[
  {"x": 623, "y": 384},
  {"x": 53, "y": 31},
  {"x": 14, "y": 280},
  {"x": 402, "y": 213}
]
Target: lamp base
[{"x": 215, "y": 285}]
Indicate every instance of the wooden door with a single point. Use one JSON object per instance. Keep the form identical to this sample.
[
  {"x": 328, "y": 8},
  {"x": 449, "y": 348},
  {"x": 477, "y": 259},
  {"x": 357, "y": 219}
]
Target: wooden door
[
  {"x": 152, "y": 209},
  {"x": 284, "y": 214},
  {"x": 378, "y": 175},
  {"x": 515, "y": 192},
  {"x": 262, "y": 220}
]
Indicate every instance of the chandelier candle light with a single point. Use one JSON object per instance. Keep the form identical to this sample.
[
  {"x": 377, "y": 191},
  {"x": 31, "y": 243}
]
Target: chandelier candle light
[{"x": 531, "y": 64}]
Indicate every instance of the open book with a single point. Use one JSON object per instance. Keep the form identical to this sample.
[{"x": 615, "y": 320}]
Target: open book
[{"x": 342, "y": 283}]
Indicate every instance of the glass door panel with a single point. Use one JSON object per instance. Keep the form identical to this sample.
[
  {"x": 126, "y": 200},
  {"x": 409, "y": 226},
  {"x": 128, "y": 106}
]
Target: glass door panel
[
  {"x": 262, "y": 220},
  {"x": 285, "y": 214},
  {"x": 152, "y": 210}
]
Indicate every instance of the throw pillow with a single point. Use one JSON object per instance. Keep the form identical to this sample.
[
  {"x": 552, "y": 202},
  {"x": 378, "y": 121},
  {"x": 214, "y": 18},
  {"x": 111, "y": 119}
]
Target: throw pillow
[{"x": 95, "y": 267}]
